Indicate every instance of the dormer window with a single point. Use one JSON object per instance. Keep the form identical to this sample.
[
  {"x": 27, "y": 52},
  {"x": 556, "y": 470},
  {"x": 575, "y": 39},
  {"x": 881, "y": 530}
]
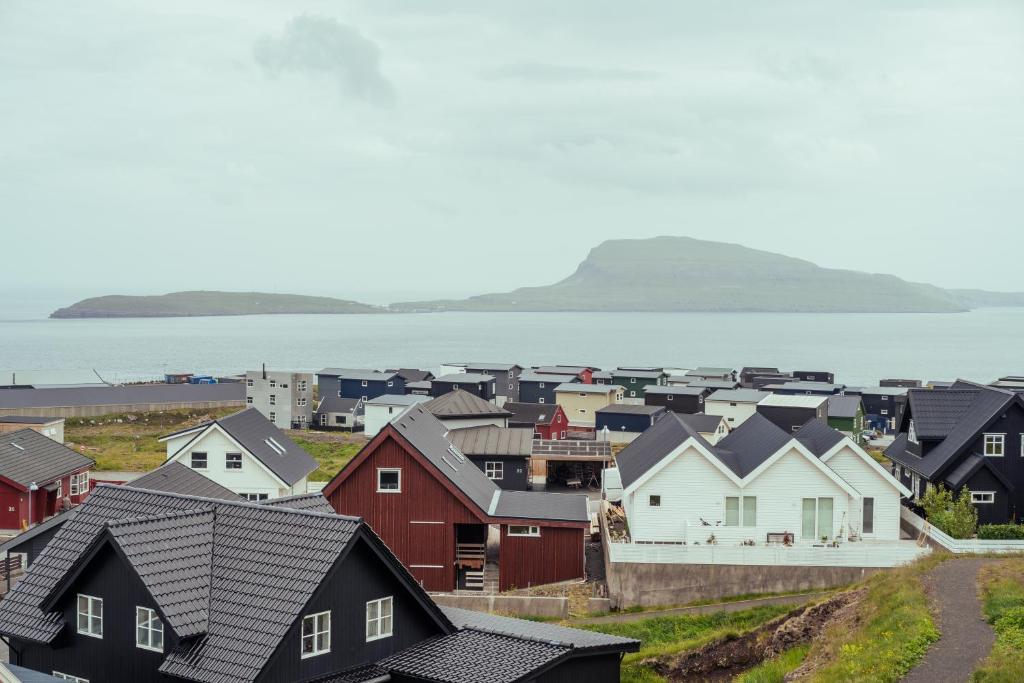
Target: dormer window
[
  {"x": 149, "y": 630},
  {"x": 912, "y": 433},
  {"x": 90, "y": 616},
  {"x": 995, "y": 445},
  {"x": 379, "y": 623},
  {"x": 316, "y": 634}
]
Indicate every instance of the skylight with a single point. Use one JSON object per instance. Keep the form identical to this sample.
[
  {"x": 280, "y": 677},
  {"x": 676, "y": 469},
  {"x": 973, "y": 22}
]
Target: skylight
[
  {"x": 455, "y": 451},
  {"x": 20, "y": 448},
  {"x": 277, "y": 448},
  {"x": 447, "y": 462}
]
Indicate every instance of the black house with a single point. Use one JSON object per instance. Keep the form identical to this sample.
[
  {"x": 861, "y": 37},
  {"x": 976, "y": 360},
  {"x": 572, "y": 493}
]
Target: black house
[
  {"x": 678, "y": 399},
  {"x": 790, "y": 413},
  {"x": 622, "y": 417},
  {"x": 814, "y": 376},
  {"x": 506, "y": 378},
  {"x": 480, "y": 385},
  {"x": 148, "y": 586},
  {"x": 535, "y": 387},
  {"x": 502, "y": 454},
  {"x": 968, "y": 435},
  {"x": 882, "y": 406}
]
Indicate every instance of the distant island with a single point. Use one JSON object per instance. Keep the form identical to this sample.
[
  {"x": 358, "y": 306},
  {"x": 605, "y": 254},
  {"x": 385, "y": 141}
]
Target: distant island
[
  {"x": 205, "y": 303},
  {"x": 685, "y": 274},
  {"x": 660, "y": 274}
]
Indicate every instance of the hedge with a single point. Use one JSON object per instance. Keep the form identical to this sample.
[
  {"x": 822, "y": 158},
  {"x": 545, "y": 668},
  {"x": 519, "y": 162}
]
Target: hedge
[{"x": 1001, "y": 532}]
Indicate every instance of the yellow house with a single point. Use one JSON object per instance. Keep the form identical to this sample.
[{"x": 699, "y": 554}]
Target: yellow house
[{"x": 582, "y": 401}]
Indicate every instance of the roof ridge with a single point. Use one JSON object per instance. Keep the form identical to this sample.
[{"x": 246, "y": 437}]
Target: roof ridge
[
  {"x": 238, "y": 503},
  {"x": 142, "y": 519},
  {"x": 519, "y": 636}
]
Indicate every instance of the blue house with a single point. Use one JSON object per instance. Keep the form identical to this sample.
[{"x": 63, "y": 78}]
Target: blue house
[
  {"x": 362, "y": 384},
  {"x": 625, "y": 422}
]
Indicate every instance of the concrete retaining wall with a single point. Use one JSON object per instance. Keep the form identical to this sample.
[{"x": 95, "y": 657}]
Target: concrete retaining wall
[
  {"x": 115, "y": 409},
  {"x": 521, "y": 605}
]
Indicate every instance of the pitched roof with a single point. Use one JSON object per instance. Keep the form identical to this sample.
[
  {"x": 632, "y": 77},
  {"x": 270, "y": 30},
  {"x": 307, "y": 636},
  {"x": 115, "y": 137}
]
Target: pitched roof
[
  {"x": 745, "y": 448},
  {"x": 337, "y": 404},
  {"x": 500, "y": 367},
  {"x": 738, "y": 395},
  {"x": 531, "y": 376},
  {"x": 818, "y": 437},
  {"x": 126, "y": 395},
  {"x": 430, "y": 438},
  {"x": 639, "y": 374},
  {"x": 413, "y": 374},
  {"x": 397, "y": 400},
  {"x": 714, "y": 384},
  {"x": 26, "y": 456},
  {"x": 310, "y": 502},
  {"x": 576, "y": 638},
  {"x": 701, "y": 422},
  {"x": 808, "y": 386},
  {"x": 464, "y": 378},
  {"x": 353, "y": 373},
  {"x": 258, "y": 435},
  {"x": 461, "y": 403},
  {"x": 960, "y": 474},
  {"x": 173, "y": 477},
  {"x": 530, "y": 413},
  {"x": 491, "y": 440},
  {"x": 581, "y": 388},
  {"x": 653, "y": 445},
  {"x": 843, "y": 406},
  {"x": 799, "y": 401}
]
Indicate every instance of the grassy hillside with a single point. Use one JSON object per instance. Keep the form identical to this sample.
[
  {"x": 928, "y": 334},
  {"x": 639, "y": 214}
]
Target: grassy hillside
[
  {"x": 685, "y": 274},
  {"x": 202, "y": 303}
]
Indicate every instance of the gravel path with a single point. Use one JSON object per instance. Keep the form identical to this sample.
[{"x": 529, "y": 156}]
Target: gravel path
[{"x": 966, "y": 636}]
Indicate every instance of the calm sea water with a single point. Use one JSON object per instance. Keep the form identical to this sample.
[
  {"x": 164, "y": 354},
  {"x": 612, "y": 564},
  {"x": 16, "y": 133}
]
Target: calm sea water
[{"x": 860, "y": 348}]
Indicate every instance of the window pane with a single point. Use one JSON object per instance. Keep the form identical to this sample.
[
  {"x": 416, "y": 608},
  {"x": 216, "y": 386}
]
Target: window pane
[
  {"x": 371, "y": 610},
  {"x": 869, "y": 516},
  {"x": 749, "y": 511},
  {"x": 732, "y": 511},
  {"x": 824, "y": 517},
  {"x": 807, "y": 526},
  {"x": 83, "y": 622},
  {"x": 307, "y": 644},
  {"x": 96, "y": 626},
  {"x": 140, "y": 616},
  {"x": 385, "y": 608},
  {"x": 371, "y": 628},
  {"x": 323, "y": 642},
  {"x": 385, "y": 626},
  {"x": 158, "y": 639},
  {"x": 140, "y": 636},
  {"x": 307, "y": 626},
  {"x": 83, "y": 603}
]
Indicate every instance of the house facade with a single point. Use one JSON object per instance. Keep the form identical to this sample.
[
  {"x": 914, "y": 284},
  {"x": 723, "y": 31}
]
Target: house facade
[
  {"x": 377, "y": 412},
  {"x": 548, "y": 421},
  {"x": 506, "y": 379},
  {"x": 735, "y": 405},
  {"x": 475, "y": 383},
  {"x": 502, "y": 454},
  {"x": 244, "y": 453},
  {"x": 38, "y": 477},
  {"x": 52, "y": 427},
  {"x": 356, "y": 383},
  {"x": 535, "y": 387},
  {"x": 436, "y": 510},
  {"x": 846, "y": 414},
  {"x": 581, "y": 402},
  {"x": 622, "y": 423},
  {"x": 757, "y": 483},
  {"x": 335, "y": 413},
  {"x": 284, "y": 398},
  {"x": 678, "y": 399},
  {"x": 882, "y": 406},
  {"x": 634, "y": 383},
  {"x": 790, "y": 413},
  {"x": 814, "y": 376}
]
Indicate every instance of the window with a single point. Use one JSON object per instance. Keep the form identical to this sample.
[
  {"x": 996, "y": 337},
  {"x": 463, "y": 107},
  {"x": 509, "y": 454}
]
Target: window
[
  {"x": 733, "y": 405},
  {"x": 983, "y": 496},
  {"x": 817, "y": 518},
  {"x": 540, "y": 384},
  {"x": 868, "y": 518},
  {"x": 60, "y": 489},
  {"x": 389, "y": 480},
  {"x": 272, "y": 416},
  {"x": 233, "y": 461},
  {"x": 654, "y": 501},
  {"x": 249, "y": 382},
  {"x": 273, "y": 399},
  {"x": 494, "y": 470},
  {"x": 883, "y": 411},
  {"x": 300, "y": 402},
  {"x": 563, "y": 434},
  {"x": 632, "y": 380},
  {"x": 90, "y": 616},
  {"x": 740, "y": 511},
  {"x": 255, "y": 497},
  {"x": 509, "y": 386},
  {"x": 340, "y": 419},
  {"x": 540, "y": 400},
  {"x": 199, "y": 461},
  {"x": 149, "y": 630},
  {"x": 316, "y": 634},
  {"x": 378, "y": 619},
  {"x": 994, "y": 445},
  {"x": 522, "y": 530},
  {"x": 301, "y": 386},
  {"x": 632, "y": 394},
  {"x": 69, "y": 677},
  {"x": 363, "y": 383},
  {"x": 248, "y": 399},
  {"x": 79, "y": 483},
  {"x": 391, "y": 383},
  {"x": 670, "y": 397},
  {"x": 273, "y": 383},
  {"x": 583, "y": 411}
]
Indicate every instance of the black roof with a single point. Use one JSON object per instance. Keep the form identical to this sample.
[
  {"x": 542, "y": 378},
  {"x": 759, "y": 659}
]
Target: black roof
[
  {"x": 746, "y": 447},
  {"x": 26, "y": 456},
  {"x": 843, "y": 406},
  {"x": 461, "y": 403},
  {"x": 701, "y": 422},
  {"x": 817, "y": 437},
  {"x": 427, "y": 435},
  {"x": 960, "y": 474},
  {"x": 173, "y": 477},
  {"x": 629, "y": 409},
  {"x": 337, "y": 404},
  {"x": 188, "y": 551},
  {"x": 413, "y": 374},
  {"x": 530, "y": 413},
  {"x": 28, "y": 419},
  {"x": 126, "y": 395},
  {"x": 648, "y": 449},
  {"x": 257, "y": 435}
]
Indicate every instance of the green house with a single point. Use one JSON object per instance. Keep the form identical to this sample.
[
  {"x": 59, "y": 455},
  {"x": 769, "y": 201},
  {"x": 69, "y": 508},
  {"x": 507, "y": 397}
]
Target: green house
[
  {"x": 635, "y": 381},
  {"x": 846, "y": 414}
]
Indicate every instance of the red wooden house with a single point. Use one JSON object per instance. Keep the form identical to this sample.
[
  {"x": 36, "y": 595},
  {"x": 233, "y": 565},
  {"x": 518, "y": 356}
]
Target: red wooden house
[
  {"x": 435, "y": 509},
  {"x": 30, "y": 460},
  {"x": 547, "y": 420}
]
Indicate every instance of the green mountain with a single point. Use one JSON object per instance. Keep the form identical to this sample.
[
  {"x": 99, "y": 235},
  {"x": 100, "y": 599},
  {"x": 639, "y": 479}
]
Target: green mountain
[
  {"x": 202, "y": 303},
  {"x": 686, "y": 274}
]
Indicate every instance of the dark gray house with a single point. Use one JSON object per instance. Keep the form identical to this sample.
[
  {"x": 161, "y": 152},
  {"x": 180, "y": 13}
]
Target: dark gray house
[
  {"x": 623, "y": 418},
  {"x": 747, "y": 375},
  {"x": 806, "y": 388},
  {"x": 678, "y": 399},
  {"x": 146, "y": 586},
  {"x": 480, "y": 385},
  {"x": 506, "y": 378},
  {"x": 882, "y": 406},
  {"x": 790, "y": 413},
  {"x": 354, "y": 383},
  {"x": 814, "y": 376},
  {"x": 968, "y": 435},
  {"x": 502, "y": 454},
  {"x": 334, "y": 412},
  {"x": 535, "y": 387}
]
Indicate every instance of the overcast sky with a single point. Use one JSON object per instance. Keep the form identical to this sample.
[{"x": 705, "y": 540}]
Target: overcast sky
[{"x": 388, "y": 150}]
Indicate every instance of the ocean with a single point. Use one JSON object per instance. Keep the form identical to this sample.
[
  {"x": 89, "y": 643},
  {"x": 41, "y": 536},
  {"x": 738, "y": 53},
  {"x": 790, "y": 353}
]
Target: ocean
[{"x": 860, "y": 348}]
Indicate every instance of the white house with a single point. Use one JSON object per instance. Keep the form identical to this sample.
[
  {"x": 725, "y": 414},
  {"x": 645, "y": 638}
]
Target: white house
[
  {"x": 377, "y": 412},
  {"x": 245, "y": 453},
  {"x": 755, "y": 484},
  {"x": 735, "y": 405}
]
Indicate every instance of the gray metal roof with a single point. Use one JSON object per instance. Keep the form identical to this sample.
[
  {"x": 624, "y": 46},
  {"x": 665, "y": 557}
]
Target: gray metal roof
[
  {"x": 26, "y": 456},
  {"x": 700, "y": 422},
  {"x": 809, "y": 386},
  {"x": 576, "y": 638},
  {"x": 337, "y": 404},
  {"x": 491, "y": 440},
  {"x": 843, "y": 406},
  {"x": 461, "y": 403},
  {"x": 413, "y": 374},
  {"x": 818, "y": 437},
  {"x": 713, "y": 384},
  {"x": 19, "y": 674},
  {"x": 683, "y": 390},
  {"x": 397, "y": 400},
  {"x": 587, "y": 388},
  {"x": 709, "y": 372},
  {"x": 429, "y": 437},
  {"x": 559, "y": 369},
  {"x": 369, "y": 375},
  {"x": 639, "y": 374},
  {"x": 530, "y": 413},
  {"x": 254, "y": 433},
  {"x": 464, "y": 378},
  {"x": 174, "y": 477},
  {"x": 498, "y": 367},
  {"x": 530, "y": 376},
  {"x": 126, "y": 395},
  {"x": 738, "y": 395}
]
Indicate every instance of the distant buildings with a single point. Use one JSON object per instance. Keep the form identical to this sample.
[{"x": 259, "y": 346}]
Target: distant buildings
[
  {"x": 355, "y": 383},
  {"x": 38, "y": 477},
  {"x": 52, "y": 427},
  {"x": 284, "y": 398}
]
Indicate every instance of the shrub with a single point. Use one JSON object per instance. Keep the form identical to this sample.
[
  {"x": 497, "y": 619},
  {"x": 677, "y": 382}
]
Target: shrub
[
  {"x": 956, "y": 516},
  {"x": 1001, "y": 532}
]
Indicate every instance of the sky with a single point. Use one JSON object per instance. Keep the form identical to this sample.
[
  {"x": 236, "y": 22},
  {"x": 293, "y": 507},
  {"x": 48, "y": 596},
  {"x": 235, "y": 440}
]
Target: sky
[{"x": 389, "y": 150}]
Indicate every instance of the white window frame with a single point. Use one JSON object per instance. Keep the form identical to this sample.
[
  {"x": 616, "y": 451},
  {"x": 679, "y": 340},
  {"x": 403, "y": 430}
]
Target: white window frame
[
  {"x": 248, "y": 400},
  {"x": 228, "y": 462},
  {"x": 79, "y": 484},
  {"x": 68, "y": 677},
  {"x": 540, "y": 400},
  {"x": 396, "y": 470},
  {"x": 273, "y": 399},
  {"x": 255, "y": 497},
  {"x": 150, "y": 626},
  {"x": 532, "y": 531},
  {"x": 380, "y": 620},
  {"x": 301, "y": 386},
  {"x": 670, "y": 397},
  {"x": 192, "y": 460},
  {"x": 363, "y": 383},
  {"x": 494, "y": 469},
  {"x": 249, "y": 382},
  {"x": 994, "y": 439},
  {"x": 90, "y": 613},
  {"x": 321, "y": 626},
  {"x": 986, "y": 497},
  {"x": 273, "y": 416},
  {"x": 301, "y": 402},
  {"x": 273, "y": 383},
  {"x": 540, "y": 385}
]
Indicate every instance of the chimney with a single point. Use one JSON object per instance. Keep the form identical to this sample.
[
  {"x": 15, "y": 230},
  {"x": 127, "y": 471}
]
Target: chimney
[{"x": 264, "y": 371}]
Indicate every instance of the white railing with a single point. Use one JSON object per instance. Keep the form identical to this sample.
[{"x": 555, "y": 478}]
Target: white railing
[
  {"x": 860, "y": 554},
  {"x": 959, "y": 545}
]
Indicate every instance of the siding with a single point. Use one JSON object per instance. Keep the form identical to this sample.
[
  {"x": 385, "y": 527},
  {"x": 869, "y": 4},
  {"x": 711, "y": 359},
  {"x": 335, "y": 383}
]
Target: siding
[
  {"x": 252, "y": 478},
  {"x": 572, "y": 403},
  {"x": 555, "y": 555},
  {"x": 861, "y": 476},
  {"x": 735, "y": 415}
]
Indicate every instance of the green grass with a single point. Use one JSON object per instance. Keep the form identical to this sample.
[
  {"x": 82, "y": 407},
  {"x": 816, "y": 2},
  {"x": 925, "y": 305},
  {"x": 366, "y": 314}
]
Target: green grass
[
  {"x": 332, "y": 456},
  {"x": 1002, "y": 592},
  {"x": 661, "y": 636},
  {"x": 894, "y": 630},
  {"x": 775, "y": 670}
]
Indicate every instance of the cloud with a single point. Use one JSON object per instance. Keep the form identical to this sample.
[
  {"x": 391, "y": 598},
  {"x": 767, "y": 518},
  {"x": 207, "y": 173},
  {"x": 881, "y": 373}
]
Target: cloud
[
  {"x": 542, "y": 72},
  {"x": 321, "y": 45}
]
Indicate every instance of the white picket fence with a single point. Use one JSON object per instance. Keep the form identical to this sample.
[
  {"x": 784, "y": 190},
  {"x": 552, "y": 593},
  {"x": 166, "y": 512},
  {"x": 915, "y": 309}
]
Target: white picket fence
[
  {"x": 859, "y": 554},
  {"x": 959, "y": 545}
]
